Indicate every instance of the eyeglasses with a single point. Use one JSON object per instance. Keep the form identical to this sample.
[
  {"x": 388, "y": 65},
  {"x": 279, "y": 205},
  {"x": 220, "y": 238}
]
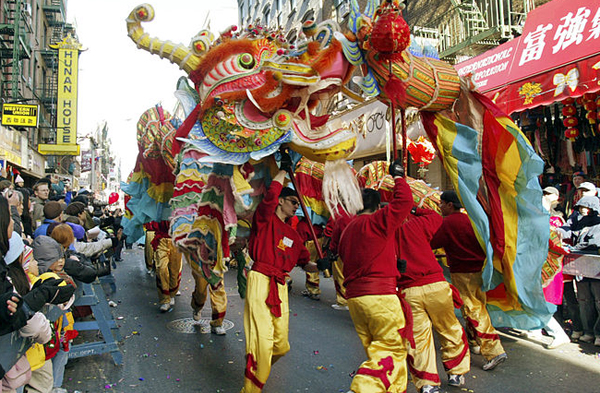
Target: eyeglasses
[{"x": 295, "y": 202}]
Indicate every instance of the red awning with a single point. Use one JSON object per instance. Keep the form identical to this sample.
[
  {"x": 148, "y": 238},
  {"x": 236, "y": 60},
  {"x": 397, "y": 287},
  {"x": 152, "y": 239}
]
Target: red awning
[{"x": 557, "y": 56}]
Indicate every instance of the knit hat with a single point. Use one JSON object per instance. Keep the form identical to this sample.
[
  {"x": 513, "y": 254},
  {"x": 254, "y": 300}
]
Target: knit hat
[
  {"x": 52, "y": 209},
  {"x": 580, "y": 173},
  {"x": 46, "y": 251},
  {"x": 15, "y": 248},
  {"x": 19, "y": 179}
]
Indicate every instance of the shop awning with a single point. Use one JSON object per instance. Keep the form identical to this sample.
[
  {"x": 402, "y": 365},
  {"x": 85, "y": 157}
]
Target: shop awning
[{"x": 557, "y": 56}]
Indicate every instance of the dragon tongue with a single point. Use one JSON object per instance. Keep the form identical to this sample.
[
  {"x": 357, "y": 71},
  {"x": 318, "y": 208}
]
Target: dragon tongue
[{"x": 315, "y": 121}]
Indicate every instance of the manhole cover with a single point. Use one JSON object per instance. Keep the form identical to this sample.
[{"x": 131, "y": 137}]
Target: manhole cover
[{"x": 189, "y": 326}]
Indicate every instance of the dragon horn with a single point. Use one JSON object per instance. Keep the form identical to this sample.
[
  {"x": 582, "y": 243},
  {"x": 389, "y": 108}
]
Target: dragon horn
[{"x": 187, "y": 59}]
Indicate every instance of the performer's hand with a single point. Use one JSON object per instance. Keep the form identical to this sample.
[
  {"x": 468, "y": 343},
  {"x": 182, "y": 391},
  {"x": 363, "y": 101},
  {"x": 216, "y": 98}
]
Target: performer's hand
[
  {"x": 286, "y": 162},
  {"x": 396, "y": 168},
  {"x": 324, "y": 264}
]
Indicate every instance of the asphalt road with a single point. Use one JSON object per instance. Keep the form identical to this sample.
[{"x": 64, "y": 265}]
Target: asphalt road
[{"x": 170, "y": 353}]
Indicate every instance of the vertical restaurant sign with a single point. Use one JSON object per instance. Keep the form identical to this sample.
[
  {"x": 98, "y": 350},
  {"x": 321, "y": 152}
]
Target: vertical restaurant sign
[{"x": 68, "y": 68}]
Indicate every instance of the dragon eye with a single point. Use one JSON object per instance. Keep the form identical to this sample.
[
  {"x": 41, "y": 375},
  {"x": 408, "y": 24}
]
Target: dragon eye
[{"x": 246, "y": 60}]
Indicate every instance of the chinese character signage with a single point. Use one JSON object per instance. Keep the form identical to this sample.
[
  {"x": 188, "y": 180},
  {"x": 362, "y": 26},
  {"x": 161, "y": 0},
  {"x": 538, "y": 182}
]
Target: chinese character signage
[
  {"x": 66, "y": 117},
  {"x": 558, "y": 55},
  {"x": 20, "y": 115}
]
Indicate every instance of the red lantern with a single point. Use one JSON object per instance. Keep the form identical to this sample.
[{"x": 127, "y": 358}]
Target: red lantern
[
  {"x": 570, "y": 122},
  {"x": 112, "y": 198},
  {"x": 571, "y": 133},
  {"x": 568, "y": 101},
  {"x": 391, "y": 34},
  {"x": 591, "y": 116},
  {"x": 568, "y": 110}
]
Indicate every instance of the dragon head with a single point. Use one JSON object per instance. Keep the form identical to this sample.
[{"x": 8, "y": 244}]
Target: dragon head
[{"x": 256, "y": 91}]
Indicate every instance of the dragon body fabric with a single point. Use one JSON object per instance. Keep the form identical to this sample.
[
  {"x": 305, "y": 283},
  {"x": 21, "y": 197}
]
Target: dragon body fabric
[{"x": 253, "y": 93}]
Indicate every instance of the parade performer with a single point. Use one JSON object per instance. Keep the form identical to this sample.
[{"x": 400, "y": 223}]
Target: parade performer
[
  {"x": 431, "y": 301},
  {"x": 167, "y": 260},
  {"x": 367, "y": 248},
  {"x": 312, "y": 290},
  {"x": 465, "y": 260},
  {"x": 337, "y": 226},
  {"x": 218, "y": 300},
  {"x": 275, "y": 248}
]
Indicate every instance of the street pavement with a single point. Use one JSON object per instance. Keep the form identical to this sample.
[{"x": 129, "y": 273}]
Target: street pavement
[{"x": 172, "y": 353}]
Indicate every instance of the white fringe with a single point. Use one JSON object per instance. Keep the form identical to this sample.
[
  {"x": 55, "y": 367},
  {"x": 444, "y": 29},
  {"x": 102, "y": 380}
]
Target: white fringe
[{"x": 340, "y": 188}]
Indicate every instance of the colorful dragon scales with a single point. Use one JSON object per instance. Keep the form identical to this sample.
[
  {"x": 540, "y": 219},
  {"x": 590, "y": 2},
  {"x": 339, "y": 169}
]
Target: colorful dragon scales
[{"x": 254, "y": 92}]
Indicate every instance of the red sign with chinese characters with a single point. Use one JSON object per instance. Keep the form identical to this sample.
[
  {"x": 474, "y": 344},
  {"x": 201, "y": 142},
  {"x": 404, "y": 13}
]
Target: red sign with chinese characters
[{"x": 558, "y": 55}]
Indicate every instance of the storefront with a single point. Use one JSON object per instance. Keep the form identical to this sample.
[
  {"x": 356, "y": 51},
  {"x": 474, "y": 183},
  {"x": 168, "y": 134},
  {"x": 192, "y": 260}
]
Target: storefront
[
  {"x": 17, "y": 158},
  {"x": 548, "y": 79}
]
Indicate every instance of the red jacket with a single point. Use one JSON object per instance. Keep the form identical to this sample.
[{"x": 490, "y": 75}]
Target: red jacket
[
  {"x": 271, "y": 240},
  {"x": 413, "y": 240},
  {"x": 338, "y": 228},
  {"x": 463, "y": 251},
  {"x": 368, "y": 249}
]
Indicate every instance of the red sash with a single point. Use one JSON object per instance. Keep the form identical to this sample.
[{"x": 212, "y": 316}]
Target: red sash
[{"x": 277, "y": 276}]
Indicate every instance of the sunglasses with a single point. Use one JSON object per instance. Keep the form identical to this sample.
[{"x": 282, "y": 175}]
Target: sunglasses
[{"x": 295, "y": 202}]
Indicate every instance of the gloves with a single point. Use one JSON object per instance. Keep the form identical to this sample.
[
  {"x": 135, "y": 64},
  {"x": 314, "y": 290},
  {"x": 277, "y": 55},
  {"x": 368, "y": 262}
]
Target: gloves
[
  {"x": 286, "y": 162},
  {"x": 396, "y": 168},
  {"x": 401, "y": 265},
  {"x": 324, "y": 264},
  {"x": 102, "y": 268},
  {"x": 48, "y": 291}
]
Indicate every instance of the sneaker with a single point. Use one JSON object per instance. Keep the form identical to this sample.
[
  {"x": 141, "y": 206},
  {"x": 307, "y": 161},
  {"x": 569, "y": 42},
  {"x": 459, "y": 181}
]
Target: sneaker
[
  {"x": 218, "y": 330},
  {"x": 491, "y": 364},
  {"x": 558, "y": 341},
  {"x": 339, "y": 307},
  {"x": 178, "y": 293},
  {"x": 172, "y": 301},
  {"x": 597, "y": 342},
  {"x": 576, "y": 335},
  {"x": 586, "y": 338},
  {"x": 475, "y": 349},
  {"x": 313, "y": 296},
  {"x": 456, "y": 380},
  {"x": 197, "y": 314},
  {"x": 165, "y": 307},
  {"x": 430, "y": 389}
]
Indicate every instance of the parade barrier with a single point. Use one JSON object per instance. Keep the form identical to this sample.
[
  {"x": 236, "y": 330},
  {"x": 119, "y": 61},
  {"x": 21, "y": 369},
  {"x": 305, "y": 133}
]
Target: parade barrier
[
  {"x": 93, "y": 295},
  {"x": 586, "y": 265}
]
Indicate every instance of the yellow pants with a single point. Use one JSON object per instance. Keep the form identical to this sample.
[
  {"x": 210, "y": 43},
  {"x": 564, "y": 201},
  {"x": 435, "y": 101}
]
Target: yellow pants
[
  {"x": 149, "y": 251},
  {"x": 168, "y": 270},
  {"x": 377, "y": 319},
  {"x": 479, "y": 326},
  {"x": 312, "y": 279},
  {"x": 432, "y": 305},
  {"x": 266, "y": 335},
  {"x": 337, "y": 268},
  {"x": 218, "y": 297}
]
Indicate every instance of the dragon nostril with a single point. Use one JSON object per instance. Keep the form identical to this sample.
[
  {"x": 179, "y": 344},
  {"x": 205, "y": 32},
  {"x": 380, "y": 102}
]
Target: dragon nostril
[{"x": 246, "y": 60}]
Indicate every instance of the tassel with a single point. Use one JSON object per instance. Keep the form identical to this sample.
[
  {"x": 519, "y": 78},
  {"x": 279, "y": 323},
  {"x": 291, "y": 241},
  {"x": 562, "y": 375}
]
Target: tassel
[
  {"x": 340, "y": 188},
  {"x": 395, "y": 90}
]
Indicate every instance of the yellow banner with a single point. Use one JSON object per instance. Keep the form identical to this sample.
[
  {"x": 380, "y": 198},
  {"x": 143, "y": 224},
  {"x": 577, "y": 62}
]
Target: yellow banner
[
  {"x": 20, "y": 115},
  {"x": 58, "y": 150},
  {"x": 66, "y": 133}
]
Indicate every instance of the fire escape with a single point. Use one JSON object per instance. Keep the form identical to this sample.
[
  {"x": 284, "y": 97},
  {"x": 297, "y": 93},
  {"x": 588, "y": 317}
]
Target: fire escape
[
  {"x": 470, "y": 27},
  {"x": 15, "y": 46},
  {"x": 58, "y": 28}
]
